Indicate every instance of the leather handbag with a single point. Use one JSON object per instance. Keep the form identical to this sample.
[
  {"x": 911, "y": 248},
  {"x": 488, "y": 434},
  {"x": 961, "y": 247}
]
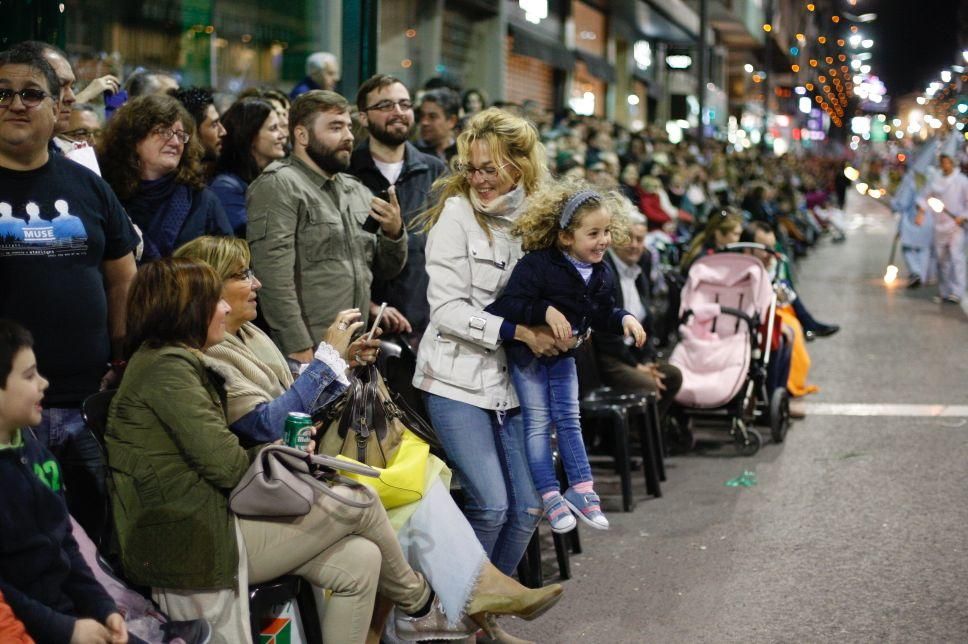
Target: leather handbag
[
  {"x": 285, "y": 482},
  {"x": 367, "y": 424}
]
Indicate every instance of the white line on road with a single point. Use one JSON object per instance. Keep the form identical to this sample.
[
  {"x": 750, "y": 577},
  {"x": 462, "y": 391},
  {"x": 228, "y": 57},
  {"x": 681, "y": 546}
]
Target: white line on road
[{"x": 885, "y": 409}]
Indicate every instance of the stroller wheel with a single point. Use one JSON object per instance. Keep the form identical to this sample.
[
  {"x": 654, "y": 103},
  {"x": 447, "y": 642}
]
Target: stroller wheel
[
  {"x": 750, "y": 443},
  {"x": 779, "y": 414}
]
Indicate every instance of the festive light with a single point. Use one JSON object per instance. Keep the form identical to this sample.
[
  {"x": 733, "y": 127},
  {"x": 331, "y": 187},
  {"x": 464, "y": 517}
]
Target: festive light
[
  {"x": 811, "y": 7},
  {"x": 767, "y": 27},
  {"x": 822, "y": 40},
  {"x": 890, "y": 275},
  {"x": 794, "y": 68}
]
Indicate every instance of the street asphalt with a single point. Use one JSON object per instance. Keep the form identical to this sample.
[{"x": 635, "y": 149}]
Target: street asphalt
[{"x": 856, "y": 528}]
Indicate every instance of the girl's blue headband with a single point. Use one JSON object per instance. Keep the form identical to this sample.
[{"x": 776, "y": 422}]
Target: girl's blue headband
[{"x": 576, "y": 201}]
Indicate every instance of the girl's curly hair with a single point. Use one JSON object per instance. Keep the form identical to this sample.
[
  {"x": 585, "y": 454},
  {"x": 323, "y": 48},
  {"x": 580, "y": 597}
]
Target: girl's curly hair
[
  {"x": 131, "y": 124},
  {"x": 539, "y": 224}
]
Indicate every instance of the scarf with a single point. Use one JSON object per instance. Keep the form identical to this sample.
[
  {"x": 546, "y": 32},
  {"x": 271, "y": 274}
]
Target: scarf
[
  {"x": 255, "y": 371},
  {"x": 160, "y": 209},
  {"x": 506, "y": 206}
]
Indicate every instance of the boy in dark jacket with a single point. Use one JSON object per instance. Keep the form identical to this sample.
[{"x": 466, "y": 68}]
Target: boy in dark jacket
[{"x": 42, "y": 574}]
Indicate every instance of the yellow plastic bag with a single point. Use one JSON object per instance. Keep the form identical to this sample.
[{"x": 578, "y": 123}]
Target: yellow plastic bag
[{"x": 402, "y": 480}]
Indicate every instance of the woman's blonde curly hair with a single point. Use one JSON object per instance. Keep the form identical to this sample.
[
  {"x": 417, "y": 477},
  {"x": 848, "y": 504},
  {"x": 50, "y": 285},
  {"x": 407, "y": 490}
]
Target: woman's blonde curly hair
[
  {"x": 539, "y": 224},
  {"x": 510, "y": 139}
]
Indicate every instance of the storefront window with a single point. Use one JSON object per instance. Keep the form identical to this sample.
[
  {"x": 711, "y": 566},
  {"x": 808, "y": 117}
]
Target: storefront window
[
  {"x": 225, "y": 44},
  {"x": 587, "y": 92},
  {"x": 590, "y": 29}
]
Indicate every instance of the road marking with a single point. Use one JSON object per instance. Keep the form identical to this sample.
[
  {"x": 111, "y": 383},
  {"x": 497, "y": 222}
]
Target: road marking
[{"x": 886, "y": 409}]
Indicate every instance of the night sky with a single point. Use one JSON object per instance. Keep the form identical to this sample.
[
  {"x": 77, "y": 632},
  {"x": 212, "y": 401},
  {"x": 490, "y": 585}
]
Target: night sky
[{"x": 913, "y": 40}]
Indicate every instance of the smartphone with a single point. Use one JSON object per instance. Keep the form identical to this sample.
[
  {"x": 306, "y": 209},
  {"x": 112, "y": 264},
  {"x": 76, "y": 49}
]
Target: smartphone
[
  {"x": 371, "y": 225},
  {"x": 376, "y": 321}
]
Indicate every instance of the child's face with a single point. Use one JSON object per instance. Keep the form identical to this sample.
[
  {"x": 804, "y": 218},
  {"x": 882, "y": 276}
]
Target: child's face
[
  {"x": 20, "y": 399},
  {"x": 592, "y": 237}
]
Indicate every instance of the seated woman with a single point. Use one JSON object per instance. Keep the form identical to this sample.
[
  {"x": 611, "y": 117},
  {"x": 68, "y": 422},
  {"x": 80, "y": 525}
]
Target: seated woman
[
  {"x": 722, "y": 228},
  {"x": 151, "y": 157},
  {"x": 255, "y": 137},
  {"x": 261, "y": 392},
  {"x": 793, "y": 361},
  {"x": 174, "y": 461}
]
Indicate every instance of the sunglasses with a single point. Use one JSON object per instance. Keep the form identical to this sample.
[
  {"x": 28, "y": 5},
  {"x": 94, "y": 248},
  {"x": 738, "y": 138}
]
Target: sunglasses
[{"x": 29, "y": 97}]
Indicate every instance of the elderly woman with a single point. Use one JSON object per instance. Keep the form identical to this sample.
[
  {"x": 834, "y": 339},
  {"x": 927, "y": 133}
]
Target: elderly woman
[
  {"x": 151, "y": 157},
  {"x": 255, "y": 137},
  {"x": 175, "y": 461},
  {"x": 460, "y": 367},
  {"x": 260, "y": 393}
]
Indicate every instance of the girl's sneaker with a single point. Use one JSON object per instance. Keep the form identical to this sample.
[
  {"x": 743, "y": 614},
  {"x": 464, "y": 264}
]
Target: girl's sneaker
[
  {"x": 559, "y": 516},
  {"x": 586, "y": 507}
]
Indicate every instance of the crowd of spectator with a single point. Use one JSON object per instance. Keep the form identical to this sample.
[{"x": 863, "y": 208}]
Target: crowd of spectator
[{"x": 140, "y": 222}]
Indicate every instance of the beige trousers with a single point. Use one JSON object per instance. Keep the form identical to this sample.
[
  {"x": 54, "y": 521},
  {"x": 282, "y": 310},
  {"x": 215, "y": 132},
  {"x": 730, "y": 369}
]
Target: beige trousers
[{"x": 352, "y": 552}]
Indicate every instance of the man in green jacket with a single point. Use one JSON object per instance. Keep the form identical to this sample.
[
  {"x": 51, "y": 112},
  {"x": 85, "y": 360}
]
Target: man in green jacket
[{"x": 305, "y": 230}]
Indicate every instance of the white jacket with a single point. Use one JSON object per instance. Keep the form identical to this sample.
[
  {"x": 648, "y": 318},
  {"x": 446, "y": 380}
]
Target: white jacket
[{"x": 460, "y": 355}]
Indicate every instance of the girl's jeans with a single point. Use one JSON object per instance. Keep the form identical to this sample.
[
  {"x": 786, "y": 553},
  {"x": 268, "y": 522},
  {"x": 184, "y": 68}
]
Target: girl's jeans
[
  {"x": 487, "y": 451},
  {"x": 548, "y": 391}
]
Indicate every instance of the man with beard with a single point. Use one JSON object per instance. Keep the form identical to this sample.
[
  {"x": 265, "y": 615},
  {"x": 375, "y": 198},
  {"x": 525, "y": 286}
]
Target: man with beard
[
  {"x": 200, "y": 104},
  {"x": 386, "y": 158},
  {"x": 305, "y": 230}
]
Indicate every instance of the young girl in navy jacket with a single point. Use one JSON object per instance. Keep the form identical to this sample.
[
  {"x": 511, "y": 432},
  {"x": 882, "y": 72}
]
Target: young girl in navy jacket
[{"x": 566, "y": 227}]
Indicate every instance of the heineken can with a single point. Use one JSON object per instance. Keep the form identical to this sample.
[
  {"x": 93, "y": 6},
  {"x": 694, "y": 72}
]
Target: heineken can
[{"x": 298, "y": 430}]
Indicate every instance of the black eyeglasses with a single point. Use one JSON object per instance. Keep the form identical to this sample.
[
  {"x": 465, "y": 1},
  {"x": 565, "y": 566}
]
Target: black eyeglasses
[
  {"x": 166, "y": 133},
  {"x": 245, "y": 275},
  {"x": 388, "y": 105},
  {"x": 82, "y": 134},
  {"x": 29, "y": 97}
]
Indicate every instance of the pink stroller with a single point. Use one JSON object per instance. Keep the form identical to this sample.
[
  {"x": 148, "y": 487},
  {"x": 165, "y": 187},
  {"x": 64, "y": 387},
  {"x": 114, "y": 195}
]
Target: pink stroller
[{"x": 722, "y": 353}]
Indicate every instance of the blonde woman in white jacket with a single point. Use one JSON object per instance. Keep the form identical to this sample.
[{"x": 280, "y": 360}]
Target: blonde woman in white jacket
[{"x": 461, "y": 367}]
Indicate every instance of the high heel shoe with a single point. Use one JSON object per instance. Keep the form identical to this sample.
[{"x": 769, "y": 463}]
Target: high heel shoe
[{"x": 498, "y": 594}]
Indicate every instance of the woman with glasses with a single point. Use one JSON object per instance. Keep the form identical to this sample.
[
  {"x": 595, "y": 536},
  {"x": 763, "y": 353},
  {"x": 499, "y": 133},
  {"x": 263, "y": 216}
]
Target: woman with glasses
[
  {"x": 150, "y": 156},
  {"x": 460, "y": 366},
  {"x": 255, "y": 137},
  {"x": 260, "y": 392}
]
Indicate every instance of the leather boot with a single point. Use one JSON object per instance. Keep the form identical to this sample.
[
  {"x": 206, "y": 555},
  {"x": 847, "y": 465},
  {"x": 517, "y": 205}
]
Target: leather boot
[
  {"x": 498, "y": 594},
  {"x": 494, "y": 634}
]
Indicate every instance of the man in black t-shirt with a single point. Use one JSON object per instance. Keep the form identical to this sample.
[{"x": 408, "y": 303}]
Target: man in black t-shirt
[{"x": 66, "y": 256}]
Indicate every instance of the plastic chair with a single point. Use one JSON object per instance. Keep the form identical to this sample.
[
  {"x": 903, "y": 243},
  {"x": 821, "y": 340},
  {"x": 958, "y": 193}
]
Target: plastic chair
[{"x": 619, "y": 411}]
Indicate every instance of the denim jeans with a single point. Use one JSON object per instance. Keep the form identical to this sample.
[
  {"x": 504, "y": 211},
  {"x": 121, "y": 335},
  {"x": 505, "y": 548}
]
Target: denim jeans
[
  {"x": 778, "y": 371},
  {"x": 548, "y": 391},
  {"x": 486, "y": 449},
  {"x": 64, "y": 433}
]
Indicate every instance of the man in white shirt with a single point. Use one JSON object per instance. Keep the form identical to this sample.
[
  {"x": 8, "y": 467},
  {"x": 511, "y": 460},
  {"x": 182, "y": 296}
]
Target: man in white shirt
[
  {"x": 626, "y": 367},
  {"x": 951, "y": 187},
  {"x": 387, "y": 158}
]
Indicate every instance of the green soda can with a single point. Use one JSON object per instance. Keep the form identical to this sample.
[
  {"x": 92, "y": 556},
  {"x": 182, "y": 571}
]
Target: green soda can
[{"x": 298, "y": 430}]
